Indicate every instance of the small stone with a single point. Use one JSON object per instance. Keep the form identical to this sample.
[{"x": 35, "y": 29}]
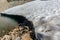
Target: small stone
[{"x": 18, "y": 38}]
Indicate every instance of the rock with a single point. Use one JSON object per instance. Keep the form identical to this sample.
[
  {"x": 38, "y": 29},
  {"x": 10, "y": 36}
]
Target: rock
[
  {"x": 18, "y": 38},
  {"x": 6, "y": 37}
]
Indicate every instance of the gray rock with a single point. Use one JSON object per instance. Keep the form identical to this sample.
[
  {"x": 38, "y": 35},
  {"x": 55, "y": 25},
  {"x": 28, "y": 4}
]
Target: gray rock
[{"x": 18, "y": 38}]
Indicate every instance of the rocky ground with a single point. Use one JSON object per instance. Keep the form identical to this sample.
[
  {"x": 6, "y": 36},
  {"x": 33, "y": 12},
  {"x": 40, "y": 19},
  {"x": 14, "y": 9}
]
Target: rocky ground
[{"x": 17, "y": 34}]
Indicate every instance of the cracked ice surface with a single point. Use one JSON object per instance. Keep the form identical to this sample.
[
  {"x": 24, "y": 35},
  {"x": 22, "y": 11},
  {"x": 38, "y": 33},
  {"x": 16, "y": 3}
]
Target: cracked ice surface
[{"x": 39, "y": 11}]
